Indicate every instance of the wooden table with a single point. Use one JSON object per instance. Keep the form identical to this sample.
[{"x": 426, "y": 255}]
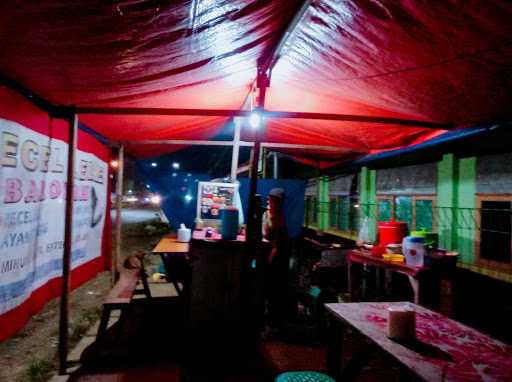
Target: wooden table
[
  {"x": 169, "y": 244},
  {"x": 364, "y": 257},
  {"x": 174, "y": 255},
  {"x": 445, "y": 350}
]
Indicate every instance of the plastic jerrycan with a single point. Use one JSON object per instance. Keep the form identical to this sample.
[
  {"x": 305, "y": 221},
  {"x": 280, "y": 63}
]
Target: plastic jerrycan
[
  {"x": 414, "y": 250},
  {"x": 184, "y": 234}
]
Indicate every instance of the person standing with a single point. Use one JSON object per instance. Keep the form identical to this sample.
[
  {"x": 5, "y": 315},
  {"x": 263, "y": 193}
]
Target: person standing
[{"x": 275, "y": 230}]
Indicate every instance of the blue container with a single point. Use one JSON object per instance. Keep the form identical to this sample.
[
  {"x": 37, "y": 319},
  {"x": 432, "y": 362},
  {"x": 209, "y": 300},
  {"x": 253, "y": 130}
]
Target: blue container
[{"x": 229, "y": 224}]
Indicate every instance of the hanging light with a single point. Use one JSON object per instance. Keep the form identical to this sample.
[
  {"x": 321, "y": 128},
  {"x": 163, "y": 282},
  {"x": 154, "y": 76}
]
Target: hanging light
[
  {"x": 154, "y": 164},
  {"x": 176, "y": 165},
  {"x": 114, "y": 163},
  {"x": 255, "y": 120}
]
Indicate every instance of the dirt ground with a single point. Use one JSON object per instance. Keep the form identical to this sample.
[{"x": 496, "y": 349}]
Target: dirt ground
[{"x": 31, "y": 354}]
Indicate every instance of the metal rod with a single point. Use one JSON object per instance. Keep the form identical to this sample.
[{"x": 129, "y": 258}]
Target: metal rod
[
  {"x": 253, "y": 231},
  {"x": 269, "y": 145},
  {"x": 266, "y": 114},
  {"x": 236, "y": 148},
  {"x": 119, "y": 206},
  {"x": 286, "y": 36},
  {"x": 276, "y": 168},
  {"x": 66, "y": 257}
]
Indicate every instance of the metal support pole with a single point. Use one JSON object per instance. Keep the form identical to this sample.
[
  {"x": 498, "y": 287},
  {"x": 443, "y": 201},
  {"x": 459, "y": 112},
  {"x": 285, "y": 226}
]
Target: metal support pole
[
  {"x": 236, "y": 149},
  {"x": 68, "y": 242},
  {"x": 119, "y": 200},
  {"x": 276, "y": 166},
  {"x": 253, "y": 231}
]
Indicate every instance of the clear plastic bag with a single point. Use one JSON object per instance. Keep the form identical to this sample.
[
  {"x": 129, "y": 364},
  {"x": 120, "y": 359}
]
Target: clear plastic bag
[{"x": 364, "y": 234}]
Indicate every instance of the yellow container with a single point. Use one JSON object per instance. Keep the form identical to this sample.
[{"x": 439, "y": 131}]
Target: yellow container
[{"x": 393, "y": 258}]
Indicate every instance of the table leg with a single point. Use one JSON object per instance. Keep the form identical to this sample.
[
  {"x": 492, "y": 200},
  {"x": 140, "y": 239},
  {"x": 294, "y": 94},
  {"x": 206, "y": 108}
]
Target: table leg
[
  {"x": 364, "y": 281},
  {"x": 387, "y": 282},
  {"x": 334, "y": 348},
  {"x": 349, "y": 279},
  {"x": 377, "y": 283},
  {"x": 415, "y": 284}
]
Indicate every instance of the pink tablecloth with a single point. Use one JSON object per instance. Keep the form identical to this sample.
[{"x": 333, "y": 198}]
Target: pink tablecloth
[
  {"x": 364, "y": 257},
  {"x": 473, "y": 355}
]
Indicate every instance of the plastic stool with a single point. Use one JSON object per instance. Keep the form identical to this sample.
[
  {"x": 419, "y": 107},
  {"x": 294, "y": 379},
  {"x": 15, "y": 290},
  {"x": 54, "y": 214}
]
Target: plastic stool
[{"x": 303, "y": 376}]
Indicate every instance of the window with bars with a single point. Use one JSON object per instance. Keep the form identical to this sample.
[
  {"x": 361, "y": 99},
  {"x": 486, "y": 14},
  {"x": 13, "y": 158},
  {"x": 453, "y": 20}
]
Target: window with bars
[
  {"x": 311, "y": 210},
  {"x": 494, "y": 238},
  {"x": 344, "y": 213},
  {"x": 416, "y": 210}
]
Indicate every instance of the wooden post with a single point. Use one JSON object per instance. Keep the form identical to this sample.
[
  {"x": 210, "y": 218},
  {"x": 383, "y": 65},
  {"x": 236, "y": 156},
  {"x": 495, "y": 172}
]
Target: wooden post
[
  {"x": 116, "y": 258},
  {"x": 68, "y": 241}
]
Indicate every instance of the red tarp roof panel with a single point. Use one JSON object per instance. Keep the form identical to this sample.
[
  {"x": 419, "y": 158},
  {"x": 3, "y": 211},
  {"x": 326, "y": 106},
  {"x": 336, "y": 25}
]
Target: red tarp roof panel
[
  {"x": 87, "y": 52},
  {"x": 445, "y": 61}
]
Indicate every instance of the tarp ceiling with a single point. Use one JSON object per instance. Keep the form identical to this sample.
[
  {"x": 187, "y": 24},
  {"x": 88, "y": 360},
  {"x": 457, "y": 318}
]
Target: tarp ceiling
[{"x": 446, "y": 62}]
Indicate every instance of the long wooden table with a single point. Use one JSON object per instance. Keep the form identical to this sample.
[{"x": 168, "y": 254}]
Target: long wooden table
[
  {"x": 169, "y": 244},
  {"x": 175, "y": 257},
  {"x": 364, "y": 257},
  {"x": 444, "y": 350}
]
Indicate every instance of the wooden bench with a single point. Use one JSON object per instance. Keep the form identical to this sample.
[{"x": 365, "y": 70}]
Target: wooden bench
[{"x": 120, "y": 297}]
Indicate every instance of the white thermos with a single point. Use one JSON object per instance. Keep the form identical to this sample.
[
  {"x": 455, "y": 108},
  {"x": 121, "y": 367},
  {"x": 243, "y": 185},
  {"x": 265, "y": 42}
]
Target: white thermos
[{"x": 184, "y": 234}]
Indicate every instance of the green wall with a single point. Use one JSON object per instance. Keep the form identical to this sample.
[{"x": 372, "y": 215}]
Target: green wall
[
  {"x": 323, "y": 203},
  {"x": 368, "y": 200},
  {"x": 456, "y": 193}
]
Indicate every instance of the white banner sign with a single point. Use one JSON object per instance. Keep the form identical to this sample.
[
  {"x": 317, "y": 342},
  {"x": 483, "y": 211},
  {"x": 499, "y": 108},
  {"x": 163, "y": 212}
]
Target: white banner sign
[{"x": 33, "y": 171}]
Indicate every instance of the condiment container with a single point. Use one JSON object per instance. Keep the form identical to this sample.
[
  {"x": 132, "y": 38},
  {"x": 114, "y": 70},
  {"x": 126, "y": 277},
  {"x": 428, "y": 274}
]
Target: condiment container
[{"x": 401, "y": 323}]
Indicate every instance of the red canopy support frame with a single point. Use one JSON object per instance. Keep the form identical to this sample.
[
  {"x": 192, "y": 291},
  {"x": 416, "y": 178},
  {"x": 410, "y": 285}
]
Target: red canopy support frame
[
  {"x": 66, "y": 258},
  {"x": 265, "y": 114}
]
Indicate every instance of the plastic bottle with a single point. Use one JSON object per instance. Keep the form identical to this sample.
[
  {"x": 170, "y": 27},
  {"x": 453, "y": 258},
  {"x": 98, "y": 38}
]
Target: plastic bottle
[{"x": 184, "y": 234}]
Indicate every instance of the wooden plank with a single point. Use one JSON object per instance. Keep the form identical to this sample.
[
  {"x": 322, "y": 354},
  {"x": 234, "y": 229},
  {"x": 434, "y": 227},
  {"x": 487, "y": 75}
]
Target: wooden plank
[
  {"x": 122, "y": 292},
  {"x": 169, "y": 244}
]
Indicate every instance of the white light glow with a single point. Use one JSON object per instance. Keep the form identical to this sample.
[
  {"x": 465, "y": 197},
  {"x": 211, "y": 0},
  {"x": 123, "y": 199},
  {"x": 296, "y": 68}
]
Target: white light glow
[
  {"x": 176, "y": 165},
  {"x": 148, "y": 186},
  {"x": 154, "y": 164},
  {"x": 255, "y": 120},
  {"x": 156, "y": 200},
  {"x": 188, "y": 198}
]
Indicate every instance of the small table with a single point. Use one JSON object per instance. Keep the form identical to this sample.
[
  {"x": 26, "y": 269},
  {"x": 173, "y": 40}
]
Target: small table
[
  {"x": 445, "y": 350},
  {"x": 364, "y": 257},
  {"x": 175, "y": 257}
]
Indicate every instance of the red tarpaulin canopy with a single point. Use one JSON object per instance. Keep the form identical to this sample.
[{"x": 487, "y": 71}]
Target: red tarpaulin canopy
[{"x": 444, "y": 62}]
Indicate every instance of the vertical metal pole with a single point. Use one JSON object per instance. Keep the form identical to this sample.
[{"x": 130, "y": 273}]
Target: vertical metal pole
[
  {"x": 68, "y": 242},
  {"x": 251, "y": 213},
  {"x": 262, "y": 165},
  {"x": 236, "y": 149},
  {"x": 119, "y": 206},
  {"x": 276, "y": 166}
]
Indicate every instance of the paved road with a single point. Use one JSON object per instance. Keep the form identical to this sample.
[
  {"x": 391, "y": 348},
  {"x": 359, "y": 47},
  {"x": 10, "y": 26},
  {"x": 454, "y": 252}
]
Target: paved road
[{"x": 130, "y": 216}]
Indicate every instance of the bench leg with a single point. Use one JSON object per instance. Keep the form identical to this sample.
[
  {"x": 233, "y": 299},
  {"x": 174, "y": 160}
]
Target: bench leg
[
  {"x": 145, "y": 285},
  {"x": 105, "y": 317}
]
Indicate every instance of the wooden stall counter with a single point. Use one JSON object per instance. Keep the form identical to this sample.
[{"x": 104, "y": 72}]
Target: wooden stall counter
[{"x": 227, "y": 280}]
